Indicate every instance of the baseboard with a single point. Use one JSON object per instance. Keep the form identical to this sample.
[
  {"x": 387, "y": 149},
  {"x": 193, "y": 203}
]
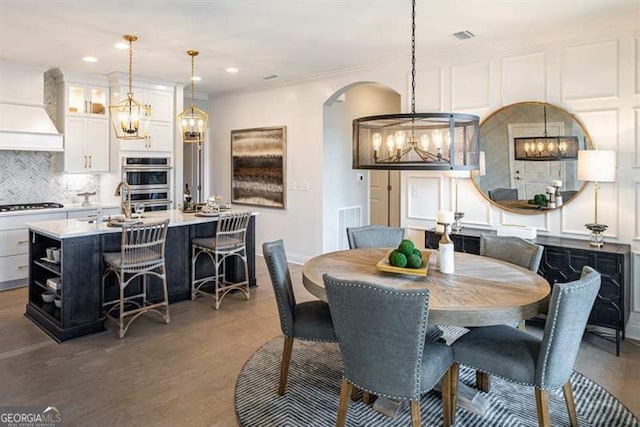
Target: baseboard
[
  {"x": 633, "y": 326},
  {"x": 13, "y": 284}
]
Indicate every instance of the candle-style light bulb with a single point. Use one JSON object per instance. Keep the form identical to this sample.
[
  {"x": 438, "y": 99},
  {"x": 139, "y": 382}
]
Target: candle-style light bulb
[
  {"x": 376, "y": 140},
  {"x": 401, "y": 137},
  {"x": 391, "y": 144}
]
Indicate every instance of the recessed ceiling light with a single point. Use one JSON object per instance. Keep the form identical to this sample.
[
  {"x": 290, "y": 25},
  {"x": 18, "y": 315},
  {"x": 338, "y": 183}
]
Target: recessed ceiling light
[
  {"x": 90, "y": 59},
  {"x": 196, "y": 78},
  {"x": 121, "y": 45},
  {"x": 232, "y": 70}
]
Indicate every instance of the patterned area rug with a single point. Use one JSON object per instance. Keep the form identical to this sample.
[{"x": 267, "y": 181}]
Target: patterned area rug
[{"x": 313, "y": 388}]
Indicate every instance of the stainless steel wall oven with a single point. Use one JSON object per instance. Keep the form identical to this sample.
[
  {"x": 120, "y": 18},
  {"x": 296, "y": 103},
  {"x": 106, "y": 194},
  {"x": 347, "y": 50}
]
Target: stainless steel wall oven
[{"x": 150, "y": 181}]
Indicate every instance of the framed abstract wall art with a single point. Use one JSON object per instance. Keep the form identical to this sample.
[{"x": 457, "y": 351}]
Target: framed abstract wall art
[{"x": 258, "y": 166}]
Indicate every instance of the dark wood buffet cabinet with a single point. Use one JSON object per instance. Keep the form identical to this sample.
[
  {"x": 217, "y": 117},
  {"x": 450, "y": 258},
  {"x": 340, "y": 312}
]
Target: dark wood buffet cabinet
[{"x": 562, "y": 261}]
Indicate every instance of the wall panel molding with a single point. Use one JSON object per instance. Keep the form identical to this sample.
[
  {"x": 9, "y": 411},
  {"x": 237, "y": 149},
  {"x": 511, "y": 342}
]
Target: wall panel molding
[
  {"x": 590, "y": 71},
  {"x": 422, "y": 192},
  {"x": 477, "y": 210},
  {"x": 636, "y": 132},
  {"x": 541, "y": 222},
  {"x": 531, "y": 68},
  {"x": 637, "y": 65},
  {"x": 471, "y": 86},
  {"x": 429, "y": 90},
  {"x": 637, "y": 212}
]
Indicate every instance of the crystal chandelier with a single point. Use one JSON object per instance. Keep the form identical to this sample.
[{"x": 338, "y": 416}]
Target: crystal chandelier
[
  {"x": 416, "y": 141},
  {"x": 193, "y": 121},
  {"x": 130, "y": 118}
]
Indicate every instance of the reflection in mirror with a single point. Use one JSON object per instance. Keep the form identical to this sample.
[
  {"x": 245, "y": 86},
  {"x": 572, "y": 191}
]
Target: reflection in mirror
[{"x": 530, "y": 153}]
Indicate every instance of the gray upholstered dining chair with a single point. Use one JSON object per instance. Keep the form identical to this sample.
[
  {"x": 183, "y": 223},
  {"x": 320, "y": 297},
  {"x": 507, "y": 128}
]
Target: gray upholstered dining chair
[
  {"x": 503, "y": 194},
  {"x": 381, "y": 236},
  {"x": 308, "y": 321},
  {"x": 512, "y": 249},
  {"x": 381, "y": 334},
  {"x": 544, "y": 363},
  {"x": 515, "y": 251},
  {"x": 374, "y": 236}
]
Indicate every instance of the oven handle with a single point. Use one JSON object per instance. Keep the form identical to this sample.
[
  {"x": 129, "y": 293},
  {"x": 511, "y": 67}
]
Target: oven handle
[
  {"x": 137, "y": 189},
  {"x": 138, "y": 168},
  {"x": 156, "y": 203}
]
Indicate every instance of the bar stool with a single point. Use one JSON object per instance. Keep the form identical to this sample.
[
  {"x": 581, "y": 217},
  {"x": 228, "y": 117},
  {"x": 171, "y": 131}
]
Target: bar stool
[
  {"x": 142, "y": 252},
  {"x": 230, "y": 240}
]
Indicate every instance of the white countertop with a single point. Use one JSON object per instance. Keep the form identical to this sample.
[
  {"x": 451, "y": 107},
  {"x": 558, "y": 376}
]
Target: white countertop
[
  {"x": 67, "y": 208},
  {"x": 67, "y": 228}
]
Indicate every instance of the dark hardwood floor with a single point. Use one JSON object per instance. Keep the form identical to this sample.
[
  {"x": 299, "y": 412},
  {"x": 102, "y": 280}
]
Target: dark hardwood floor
[{"x": 184, "y": 373}]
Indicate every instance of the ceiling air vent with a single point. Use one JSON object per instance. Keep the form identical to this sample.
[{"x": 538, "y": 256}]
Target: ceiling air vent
[
  {"x": 270, "y": 76},
  {"x": 463, "y": 35}
]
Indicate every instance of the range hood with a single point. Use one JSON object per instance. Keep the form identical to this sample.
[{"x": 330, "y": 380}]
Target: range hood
[{"x": 24, "y": 123}]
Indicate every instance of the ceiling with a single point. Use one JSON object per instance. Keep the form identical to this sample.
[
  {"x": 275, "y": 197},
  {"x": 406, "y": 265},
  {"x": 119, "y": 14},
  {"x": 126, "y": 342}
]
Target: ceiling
[{"x": 292, "y": 39}]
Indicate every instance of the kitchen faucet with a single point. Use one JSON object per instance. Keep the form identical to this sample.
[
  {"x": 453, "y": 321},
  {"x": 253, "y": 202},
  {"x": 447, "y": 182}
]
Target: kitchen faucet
[{"x": 125, "y": 205}]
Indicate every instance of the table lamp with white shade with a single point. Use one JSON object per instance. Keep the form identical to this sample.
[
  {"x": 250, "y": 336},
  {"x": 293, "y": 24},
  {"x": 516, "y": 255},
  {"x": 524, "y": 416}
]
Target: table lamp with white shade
[{"x": 596, "y": 166}]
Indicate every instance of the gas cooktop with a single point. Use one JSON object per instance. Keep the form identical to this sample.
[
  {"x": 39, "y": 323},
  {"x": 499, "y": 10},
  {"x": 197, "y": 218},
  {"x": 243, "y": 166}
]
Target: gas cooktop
[{"x": 30, "y": 206}]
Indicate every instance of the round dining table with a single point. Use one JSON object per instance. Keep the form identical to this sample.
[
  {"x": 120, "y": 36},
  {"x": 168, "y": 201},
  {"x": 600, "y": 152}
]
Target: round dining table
[{"x": 482, "y": 291}]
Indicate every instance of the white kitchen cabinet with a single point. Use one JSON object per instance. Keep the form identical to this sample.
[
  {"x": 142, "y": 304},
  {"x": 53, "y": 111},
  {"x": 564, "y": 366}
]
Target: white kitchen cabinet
[
  {"x": 160, "y": 98},
  {"x": 86, "y": 100},
  {"x": 83, "y": 118},
  {"x": 159, "y": 138},
  {"x": 85, "y": 148},
  {"x": 159, "y": 101},
  {"x": 14, "y": 246}
]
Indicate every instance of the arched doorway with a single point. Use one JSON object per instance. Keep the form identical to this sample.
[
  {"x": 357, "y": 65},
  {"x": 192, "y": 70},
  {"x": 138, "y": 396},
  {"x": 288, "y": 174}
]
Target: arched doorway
[{"x": 355, "y": 197}]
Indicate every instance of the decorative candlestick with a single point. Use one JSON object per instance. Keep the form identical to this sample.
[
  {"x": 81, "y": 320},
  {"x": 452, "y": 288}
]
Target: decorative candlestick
[
  {"x": 445, "y": 251},
  {"x": 457, "y": 221}
]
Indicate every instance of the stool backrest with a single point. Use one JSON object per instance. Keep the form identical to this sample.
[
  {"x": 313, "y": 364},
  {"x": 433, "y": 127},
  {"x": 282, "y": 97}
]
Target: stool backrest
[
  {"x": 232, "y": 230},
  {"x": 142, "y": 246}
]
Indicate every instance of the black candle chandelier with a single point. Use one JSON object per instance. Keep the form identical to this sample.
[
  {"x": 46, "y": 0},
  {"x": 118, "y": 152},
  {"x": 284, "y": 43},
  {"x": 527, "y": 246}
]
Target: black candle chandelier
[
  {"x": 416, "y": 141},
  {"x": 545, "y": 147}
]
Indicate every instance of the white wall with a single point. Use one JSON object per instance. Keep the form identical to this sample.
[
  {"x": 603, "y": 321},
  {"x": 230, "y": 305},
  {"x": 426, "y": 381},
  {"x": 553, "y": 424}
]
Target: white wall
[
  {"x": 594, "y": 75},
  {"x": 341, "y": 187}
]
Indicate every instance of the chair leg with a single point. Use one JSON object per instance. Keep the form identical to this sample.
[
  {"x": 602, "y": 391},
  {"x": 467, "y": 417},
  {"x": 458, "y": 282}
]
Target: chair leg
[
  {"x": 415, "y": 413},
  {"x": 455, "y": 369},
  {"x": 571, "y": 407},
  {"x": 445, "y": 386},
  {"x": 167, "y": 317},
  {"x": 542, "y": 404},
  {"x": 343, "y": 407},
  {"x": 366, "y": 398},
  {"x": 284, "y": 366},
  {"x": 354, "y": 393},
  {"x": 483, "y": 381}
]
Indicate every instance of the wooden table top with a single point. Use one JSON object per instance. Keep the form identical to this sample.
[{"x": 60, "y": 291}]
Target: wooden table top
[{"x": 482, "y": 292}]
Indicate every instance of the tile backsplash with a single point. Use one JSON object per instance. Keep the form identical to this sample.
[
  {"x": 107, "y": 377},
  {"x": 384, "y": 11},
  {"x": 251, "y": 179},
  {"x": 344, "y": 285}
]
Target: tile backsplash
[{"x": 31, "y": 177}]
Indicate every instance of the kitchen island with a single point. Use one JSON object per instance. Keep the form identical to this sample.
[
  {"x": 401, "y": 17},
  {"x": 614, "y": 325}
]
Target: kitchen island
[{"x": 80, "y": 267}]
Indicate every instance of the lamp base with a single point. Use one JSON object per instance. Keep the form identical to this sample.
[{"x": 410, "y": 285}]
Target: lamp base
[
  {"x": 457, "y": 224},
  {"x": 597, "y": 238}
]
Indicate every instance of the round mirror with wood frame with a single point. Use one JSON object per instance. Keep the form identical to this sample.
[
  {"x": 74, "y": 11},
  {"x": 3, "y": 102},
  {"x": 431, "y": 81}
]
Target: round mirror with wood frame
[{"x": 530, "y": 151}]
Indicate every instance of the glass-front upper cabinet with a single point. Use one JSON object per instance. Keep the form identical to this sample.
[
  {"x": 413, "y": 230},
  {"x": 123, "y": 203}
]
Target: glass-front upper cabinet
[{"x": 89, "y": 100}]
